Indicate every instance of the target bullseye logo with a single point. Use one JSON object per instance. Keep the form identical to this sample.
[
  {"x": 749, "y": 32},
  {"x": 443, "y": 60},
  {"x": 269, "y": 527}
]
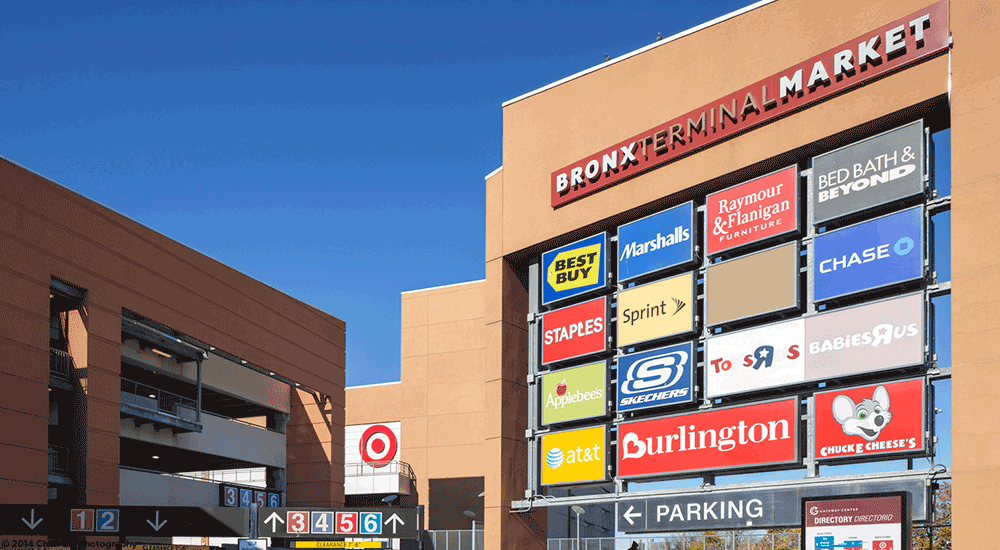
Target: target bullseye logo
[{"x": 378, "y": 446}]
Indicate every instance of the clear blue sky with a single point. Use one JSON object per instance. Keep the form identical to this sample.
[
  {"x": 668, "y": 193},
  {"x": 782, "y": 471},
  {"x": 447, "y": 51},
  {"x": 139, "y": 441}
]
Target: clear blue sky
[{"x": 333, "y": 150}]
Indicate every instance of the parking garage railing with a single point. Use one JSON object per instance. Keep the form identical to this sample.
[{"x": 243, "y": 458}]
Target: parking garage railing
[{"x": 154, "y": 399}]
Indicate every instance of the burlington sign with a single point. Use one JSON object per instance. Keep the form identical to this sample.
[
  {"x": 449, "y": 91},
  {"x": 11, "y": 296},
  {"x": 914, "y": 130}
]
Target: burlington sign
[{"x": 883, "y": 50}]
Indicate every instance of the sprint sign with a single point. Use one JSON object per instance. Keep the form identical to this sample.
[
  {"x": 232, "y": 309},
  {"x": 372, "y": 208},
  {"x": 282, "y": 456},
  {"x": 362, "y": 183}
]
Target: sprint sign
[{"x": 575, "y": 331}]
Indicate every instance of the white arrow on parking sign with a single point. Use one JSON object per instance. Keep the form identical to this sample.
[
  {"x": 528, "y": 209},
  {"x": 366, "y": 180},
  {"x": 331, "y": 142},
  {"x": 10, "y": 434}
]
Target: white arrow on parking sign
[{"x": 628, "y": 515}]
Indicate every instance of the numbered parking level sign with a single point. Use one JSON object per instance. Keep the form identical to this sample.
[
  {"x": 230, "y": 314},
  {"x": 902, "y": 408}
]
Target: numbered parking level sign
[
  {"x": 274, "y": 500},
  {"x": 322, "y": 522},
  {"x": 298, "y": 522},
  {"x": 370, "y": 523},
  {"x": 260, "y": 497},
  {"x": 81, "y": 520},
  {"x": 106, "y": 521},
  {"x": 230, "y": 496},
  {"x": 246, "y": 497},
  {"x": 347, "y": 523}
]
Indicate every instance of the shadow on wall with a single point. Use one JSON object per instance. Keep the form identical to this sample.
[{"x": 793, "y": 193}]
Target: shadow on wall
[{"x": 449, "y": 498}]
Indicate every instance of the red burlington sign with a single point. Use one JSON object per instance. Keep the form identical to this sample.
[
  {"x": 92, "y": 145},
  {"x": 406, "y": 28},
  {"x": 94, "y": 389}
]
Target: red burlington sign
[
  {"x": 575, "y": 331},
  {"x": 886, "y": 419},
  {"x": 737, "y": 437},
  {"x": 903, "y": 42},
  {"x": 753, "y": 211}
]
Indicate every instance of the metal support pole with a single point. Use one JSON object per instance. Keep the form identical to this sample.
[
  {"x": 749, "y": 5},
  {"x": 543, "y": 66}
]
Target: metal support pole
[
  {"x": 197, "y": 412},
  {"x": 420, "y": 527}
]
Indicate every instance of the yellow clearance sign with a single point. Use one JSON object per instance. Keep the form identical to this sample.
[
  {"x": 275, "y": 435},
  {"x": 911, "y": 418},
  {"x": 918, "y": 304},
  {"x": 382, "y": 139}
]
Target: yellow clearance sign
[
  {"x": 574, "y": 456},
  {"x": 656, "y": 310}
]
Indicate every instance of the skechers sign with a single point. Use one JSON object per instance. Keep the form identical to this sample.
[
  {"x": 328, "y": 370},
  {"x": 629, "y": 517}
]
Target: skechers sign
[
  {"x": 574, "y": 269},
  {"x": 656, "y": 378},
  {"x": 573, "y": 394},
  {"x": 877, "y": 253},
  {"x": 656, "y": 242},
  {"x": 574, "y": 331},
  {"x": 871, "y": 172}
]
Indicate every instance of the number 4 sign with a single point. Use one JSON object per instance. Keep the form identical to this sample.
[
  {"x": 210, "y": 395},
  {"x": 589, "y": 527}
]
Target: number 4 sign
[{"x": 347, "y": 523}]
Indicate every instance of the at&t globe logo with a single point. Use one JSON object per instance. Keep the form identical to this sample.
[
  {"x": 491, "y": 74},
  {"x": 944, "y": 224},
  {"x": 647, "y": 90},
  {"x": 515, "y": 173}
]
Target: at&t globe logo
[{"x": 554, "y": 458}]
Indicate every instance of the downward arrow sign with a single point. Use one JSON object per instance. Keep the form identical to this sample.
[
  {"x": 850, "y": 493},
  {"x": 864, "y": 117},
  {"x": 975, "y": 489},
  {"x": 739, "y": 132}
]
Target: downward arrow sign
[
  {"x": 157, "y": 525},
  {"x": 32, "y": 524}
]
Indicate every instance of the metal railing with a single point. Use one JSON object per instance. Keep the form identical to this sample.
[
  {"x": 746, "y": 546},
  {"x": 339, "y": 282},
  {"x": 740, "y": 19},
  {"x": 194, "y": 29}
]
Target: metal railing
[
  {"x": 159, "y": 400},
  {"x": 58, "y": 460},
  {"x": 722, "y": 540},
  {"x": 60, "y": 362},
  {"x": 458, "y": 539},
  {"x": 355, "y": 469}
]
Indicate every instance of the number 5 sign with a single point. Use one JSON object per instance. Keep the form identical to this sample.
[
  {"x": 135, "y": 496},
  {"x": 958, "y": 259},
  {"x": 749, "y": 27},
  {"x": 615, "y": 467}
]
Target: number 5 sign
[{"x": 347, "y": 523}]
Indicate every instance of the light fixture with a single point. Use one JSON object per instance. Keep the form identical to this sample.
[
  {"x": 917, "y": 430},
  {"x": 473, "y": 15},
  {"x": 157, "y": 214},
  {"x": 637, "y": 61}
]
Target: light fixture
[
  {"x": 242, "y": 361},
  {"x": 579, "y": 512},
  {"x": 155, "y": 457},
  {"x": 390, "y": 498},
  {"x": 160, "y": 353},
  {"x": 271, "y": 373},
  {"x": 152, "y": 396},
  {"x": 296, "y": 384},
  {"x": 481, "y": 495}
]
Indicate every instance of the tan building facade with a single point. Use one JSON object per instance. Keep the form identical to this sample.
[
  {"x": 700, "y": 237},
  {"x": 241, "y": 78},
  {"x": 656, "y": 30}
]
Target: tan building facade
[
  {"x": 439, "y": 401},
  {"x": 549, "y": 130}
]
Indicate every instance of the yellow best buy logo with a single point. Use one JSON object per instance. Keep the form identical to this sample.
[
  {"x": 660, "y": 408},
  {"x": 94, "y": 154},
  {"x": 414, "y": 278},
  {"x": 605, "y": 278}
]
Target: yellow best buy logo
[
  {"x": 574, "y": 456},
  {"x": 575, "y": 268}
]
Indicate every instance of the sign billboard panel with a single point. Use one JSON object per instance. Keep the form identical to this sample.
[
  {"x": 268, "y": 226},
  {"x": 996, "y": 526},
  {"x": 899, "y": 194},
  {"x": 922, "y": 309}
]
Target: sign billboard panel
[
  {"x": 871, "y": 421},
  {"x": 575, "y": 331},
  {"x": 723, "y": 439},
  {"x": 656, "y": 310},
  {"x": 868, "y": 173},
  {"x": 657, "y": 242},
  {"x": 574, "y": 394},
  {"x": 574, "y": 269},
  {"x": 876, "y": 521},
  {"x": 753, "y": 285},
  {"x": 876, "y": 336},
  {"x": 375, "y": 445},
  {"x": 575, "y": 456},
  {"x": 753, "y": 211},
  {"x": 754, "y": 359},
  {"x": 755, "y": 508},
  {"x": 873, "y": 254},
  {"x": 655, "y": 378}
]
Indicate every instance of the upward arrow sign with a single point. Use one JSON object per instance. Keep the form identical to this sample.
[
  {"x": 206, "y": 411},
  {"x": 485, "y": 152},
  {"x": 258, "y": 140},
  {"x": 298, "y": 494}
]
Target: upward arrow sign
[
  {"x": 394, "y": 519},
  {"x": 274, "y": 518}
]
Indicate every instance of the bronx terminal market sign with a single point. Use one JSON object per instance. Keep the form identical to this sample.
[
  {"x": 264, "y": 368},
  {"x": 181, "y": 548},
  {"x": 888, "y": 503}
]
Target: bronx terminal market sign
[
  {"x": 751, "y": 508},
  {"x": 886, "y": 49}
]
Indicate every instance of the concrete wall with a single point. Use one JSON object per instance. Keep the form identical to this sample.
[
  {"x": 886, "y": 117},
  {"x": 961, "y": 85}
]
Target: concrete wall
[
  {"x": 219, "y": 437},
  {"x": 48, "y": 231},
  {"x": 147, "y": 489},
  {"x": 549, "y": 130},
  {"x": 440, "y": 400}
]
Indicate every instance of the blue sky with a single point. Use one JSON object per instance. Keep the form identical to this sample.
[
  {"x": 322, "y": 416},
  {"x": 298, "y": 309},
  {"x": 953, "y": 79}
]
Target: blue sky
[{"x": 333, "y": 150}]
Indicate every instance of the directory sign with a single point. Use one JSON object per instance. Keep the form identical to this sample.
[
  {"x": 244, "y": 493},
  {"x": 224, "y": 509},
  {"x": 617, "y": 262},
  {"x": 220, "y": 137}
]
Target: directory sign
[
  {"x": 657, "y": 242},
  {"x": 574, "y": 269},
  {"x": 878, "y": 521},
  {"x": 869, "y": 255},
  {"x": 869, "y": 173},
  {"x": 656, "y": 378}
]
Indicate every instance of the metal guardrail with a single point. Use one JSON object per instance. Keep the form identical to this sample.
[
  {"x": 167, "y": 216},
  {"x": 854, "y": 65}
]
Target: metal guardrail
[
  {"x": 721, "y": 540},
  {"x": 58, "y": 460},
  {"x": 458, "y": 539},
  {"x": 357, "y": 469},
  {"x": 160, "y": 400},
  {"x": 60, "y": 362}
]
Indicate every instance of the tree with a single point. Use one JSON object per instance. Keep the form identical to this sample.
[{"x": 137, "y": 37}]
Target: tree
[{"x": 936, "y": 534}]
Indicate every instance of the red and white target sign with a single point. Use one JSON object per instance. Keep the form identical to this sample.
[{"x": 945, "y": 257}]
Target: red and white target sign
[{"x": 373, "y": 444}]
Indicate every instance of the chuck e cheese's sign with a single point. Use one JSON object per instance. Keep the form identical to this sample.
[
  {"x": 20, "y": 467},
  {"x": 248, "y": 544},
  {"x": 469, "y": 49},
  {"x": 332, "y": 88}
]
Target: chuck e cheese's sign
[{"x": 888, "y": 48}]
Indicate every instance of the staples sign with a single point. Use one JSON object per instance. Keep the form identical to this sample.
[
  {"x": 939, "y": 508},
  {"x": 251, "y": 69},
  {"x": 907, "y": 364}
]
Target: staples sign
[
  {"x": 883, "y": 419},
  {"x": 724, "y": 439},
  {"x": 574, "y": 331}
]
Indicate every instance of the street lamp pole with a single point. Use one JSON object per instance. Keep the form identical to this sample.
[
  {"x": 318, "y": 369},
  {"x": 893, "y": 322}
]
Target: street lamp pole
[
  {"x": 579, "y": 512},
  {"x": 472, "y": 517}
]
